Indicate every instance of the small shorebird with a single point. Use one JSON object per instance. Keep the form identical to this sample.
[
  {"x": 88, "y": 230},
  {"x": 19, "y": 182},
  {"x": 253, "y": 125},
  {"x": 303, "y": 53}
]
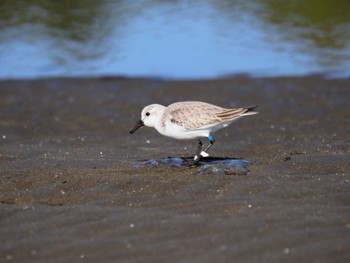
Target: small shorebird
[{"x": 190, "y": 120}]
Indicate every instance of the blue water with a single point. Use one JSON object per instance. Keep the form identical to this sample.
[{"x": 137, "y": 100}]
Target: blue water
[{"x": 173, "y": 39}]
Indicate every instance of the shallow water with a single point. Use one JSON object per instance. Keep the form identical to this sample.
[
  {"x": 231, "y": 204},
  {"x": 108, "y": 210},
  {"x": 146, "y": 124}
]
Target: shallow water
[{"x": 173, "y": 39}]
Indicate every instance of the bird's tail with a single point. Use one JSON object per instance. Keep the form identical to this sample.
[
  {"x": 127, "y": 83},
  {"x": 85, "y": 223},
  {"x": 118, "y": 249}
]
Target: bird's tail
[
  {"x": 250, "y": 110},
  {"x": 235, "y": 113}
]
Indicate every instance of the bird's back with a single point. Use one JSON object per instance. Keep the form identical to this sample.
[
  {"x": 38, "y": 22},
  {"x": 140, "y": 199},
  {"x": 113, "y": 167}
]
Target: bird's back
[{"x": 196, "y": 114}]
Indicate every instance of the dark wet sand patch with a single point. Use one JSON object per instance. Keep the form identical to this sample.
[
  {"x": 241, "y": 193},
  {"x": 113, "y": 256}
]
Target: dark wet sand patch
[{"x": 69, "y": 190}]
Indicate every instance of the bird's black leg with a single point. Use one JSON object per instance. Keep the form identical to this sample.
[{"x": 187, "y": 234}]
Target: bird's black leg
[
  {"x": 211, "y": 142},
  {"x": 198, "y": 155},
  {"x": 199, "y": 149}
]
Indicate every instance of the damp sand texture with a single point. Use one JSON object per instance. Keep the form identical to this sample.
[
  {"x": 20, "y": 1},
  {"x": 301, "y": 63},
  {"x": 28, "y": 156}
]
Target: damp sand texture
[{"x": 70, "y": 191}]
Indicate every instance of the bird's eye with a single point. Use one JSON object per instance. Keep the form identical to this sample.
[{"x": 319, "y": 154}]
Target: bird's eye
[{"x": 147, "y": 113}]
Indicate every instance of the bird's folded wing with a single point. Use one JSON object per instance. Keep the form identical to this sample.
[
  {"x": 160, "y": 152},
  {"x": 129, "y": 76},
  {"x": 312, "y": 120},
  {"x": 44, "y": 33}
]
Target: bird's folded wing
[
  {"x": 231, "y": 114},
  {"x": 191, "y": 117}
]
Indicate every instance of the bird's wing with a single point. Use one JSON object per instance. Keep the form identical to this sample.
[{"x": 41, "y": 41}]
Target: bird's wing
[
  {"x": 231, "y": 114},
  {"x": 193, "y": 115}
]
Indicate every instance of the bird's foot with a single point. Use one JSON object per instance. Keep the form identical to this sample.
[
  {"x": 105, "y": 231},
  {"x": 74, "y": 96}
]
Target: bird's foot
[
  {"x": 195, "y": 161},
  {"x": 204, "y": 154},
  {"x": 198, "y": 157}
]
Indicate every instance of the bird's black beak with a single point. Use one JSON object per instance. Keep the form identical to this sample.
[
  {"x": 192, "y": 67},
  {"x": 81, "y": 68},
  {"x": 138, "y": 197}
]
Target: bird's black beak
[{"x": 138, "y": 125}]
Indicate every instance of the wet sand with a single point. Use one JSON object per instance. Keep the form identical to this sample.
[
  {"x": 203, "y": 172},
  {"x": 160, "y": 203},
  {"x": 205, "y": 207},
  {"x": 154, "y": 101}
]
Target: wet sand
[{"x": 69, "y": 190}]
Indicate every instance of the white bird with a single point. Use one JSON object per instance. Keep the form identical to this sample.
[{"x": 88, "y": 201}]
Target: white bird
[{"x": 190, "y": 120}]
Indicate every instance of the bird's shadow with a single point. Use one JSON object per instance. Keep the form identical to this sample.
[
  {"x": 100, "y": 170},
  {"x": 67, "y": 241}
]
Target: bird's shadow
[
  {"x": 208, "y": 160},
  {"x": 207, "y": 165}
]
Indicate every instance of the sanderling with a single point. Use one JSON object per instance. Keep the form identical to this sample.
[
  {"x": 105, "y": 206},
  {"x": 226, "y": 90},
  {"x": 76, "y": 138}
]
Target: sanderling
[{"x": 190, "y": 120}]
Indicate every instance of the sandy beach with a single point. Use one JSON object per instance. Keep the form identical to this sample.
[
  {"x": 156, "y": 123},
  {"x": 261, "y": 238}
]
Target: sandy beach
[{"x": 71, "y": 191}]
